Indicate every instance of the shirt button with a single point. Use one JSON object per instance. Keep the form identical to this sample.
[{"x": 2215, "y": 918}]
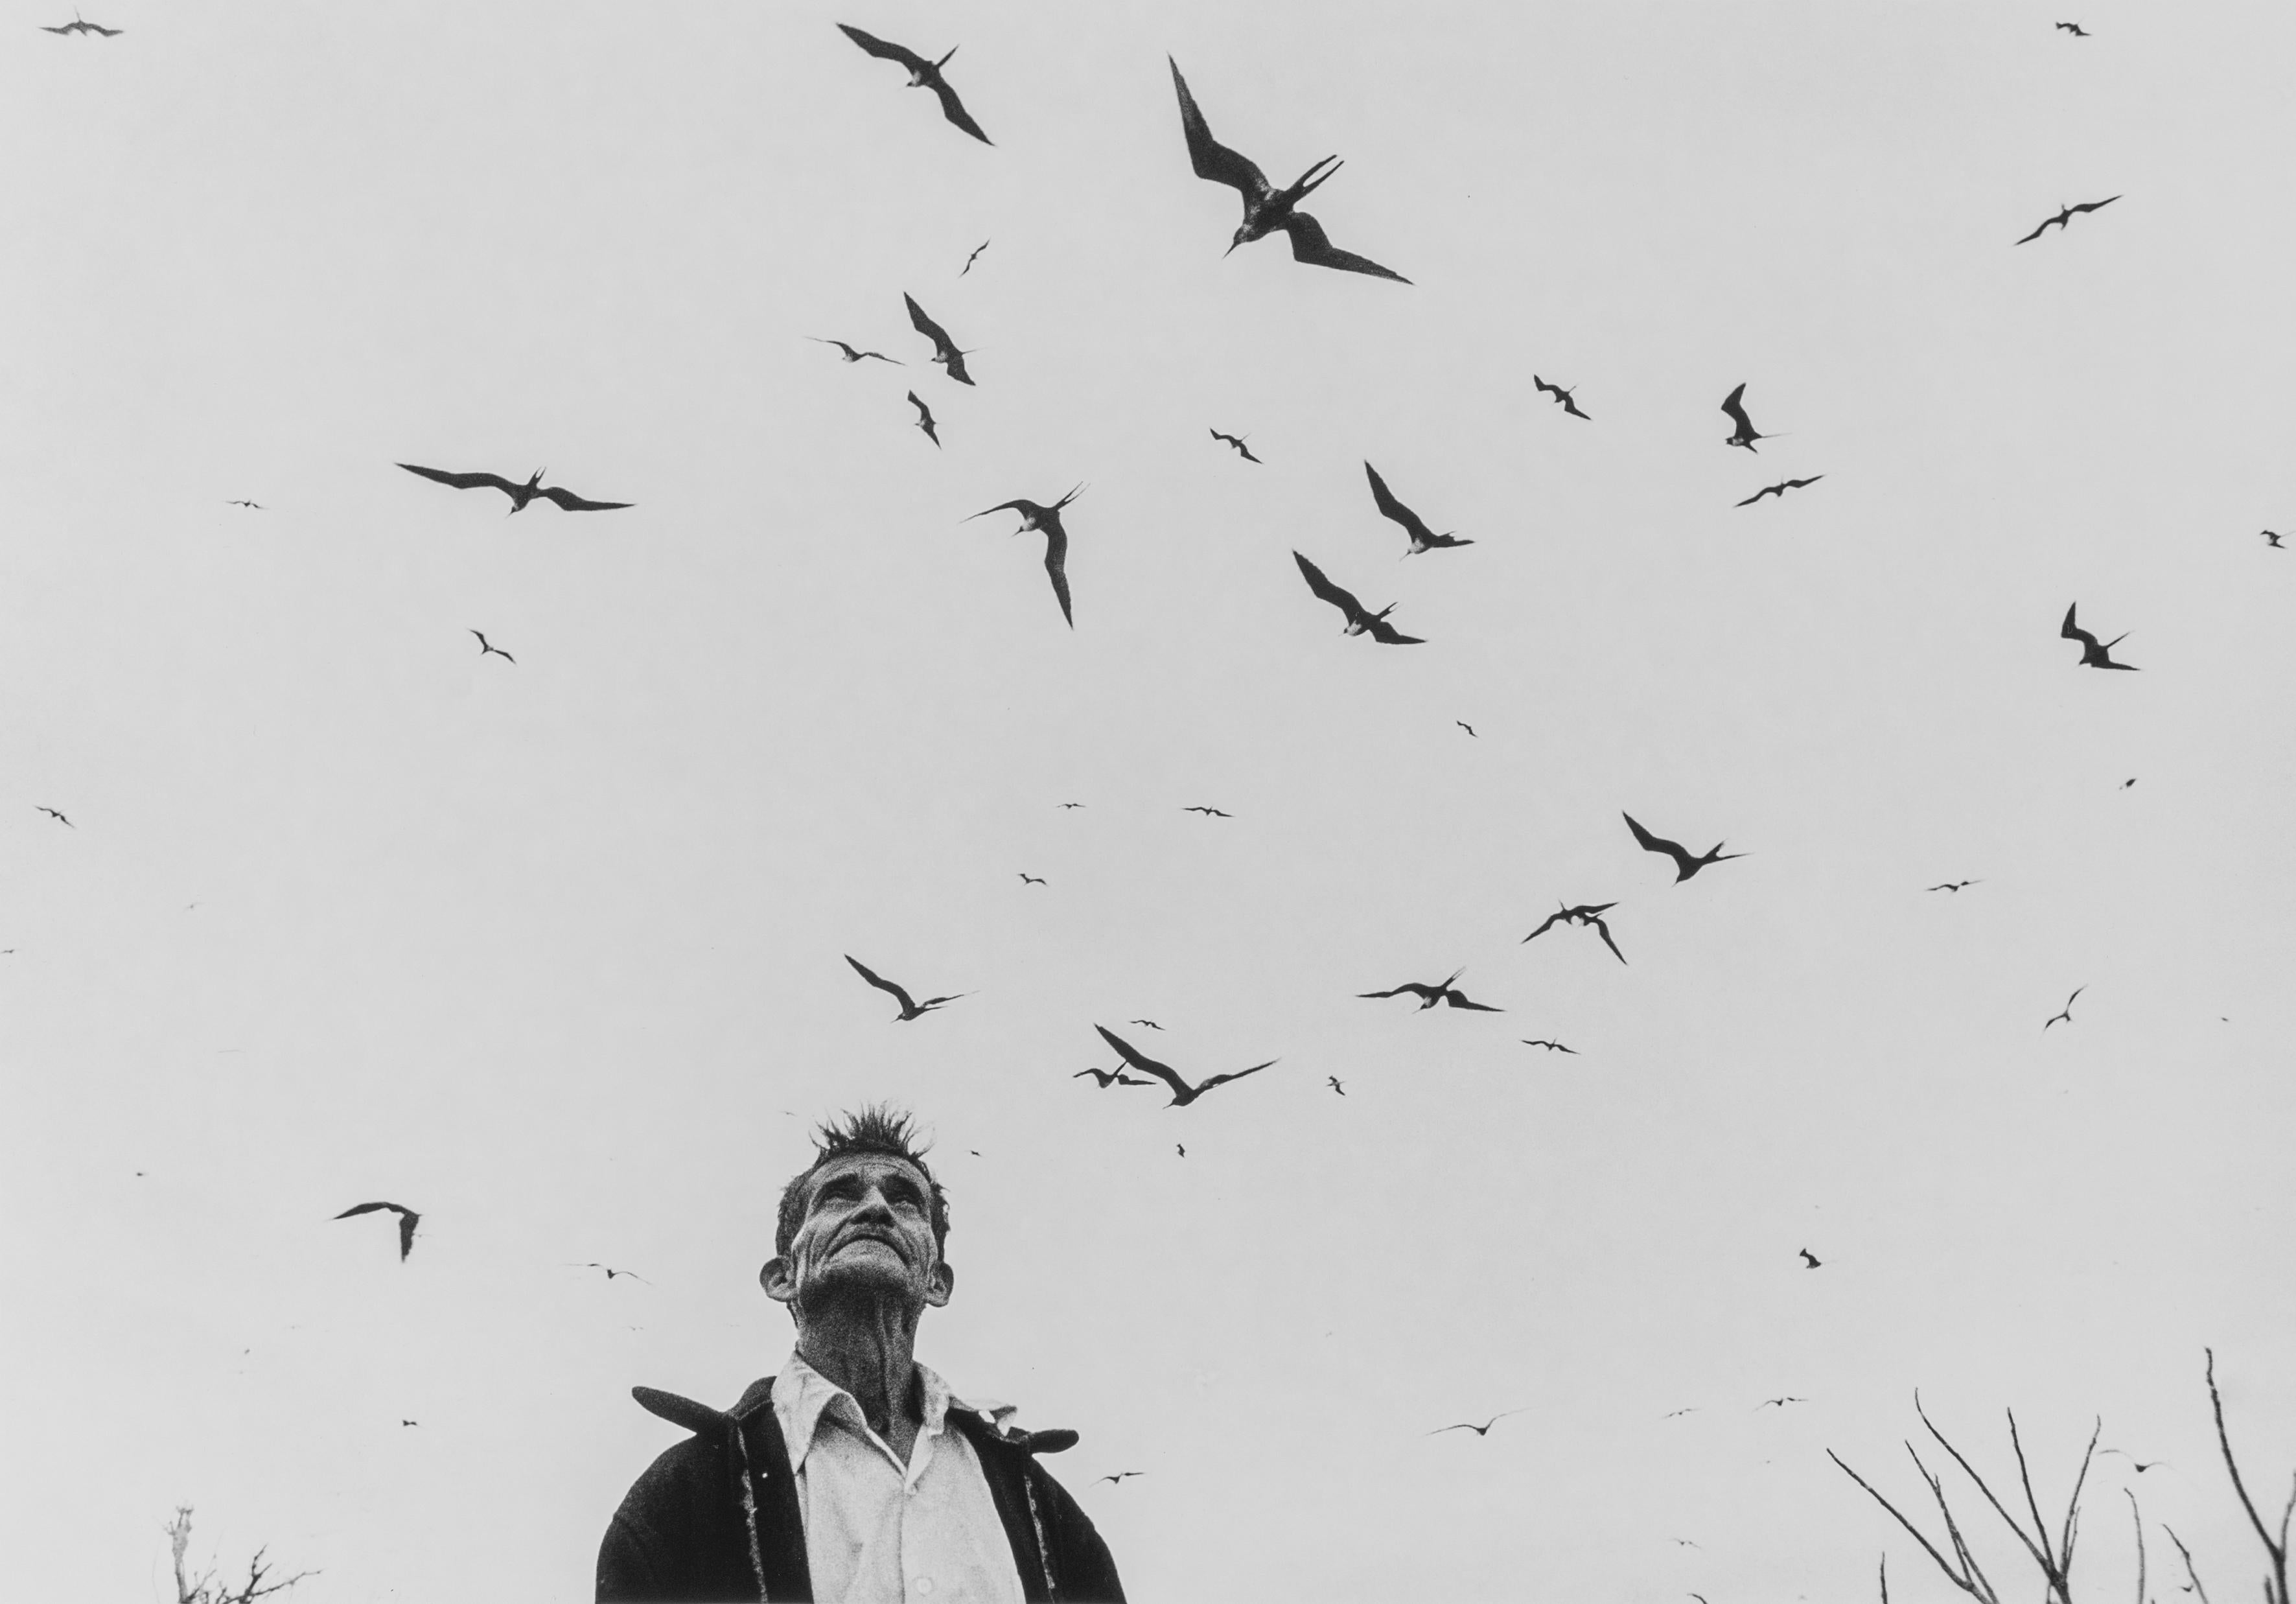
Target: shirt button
[{"x": 924, "y": 1584}]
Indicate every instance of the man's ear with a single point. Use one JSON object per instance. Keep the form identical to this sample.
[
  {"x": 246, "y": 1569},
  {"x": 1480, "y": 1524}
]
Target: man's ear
[
  {"x": 938, "y": 1285},
  {"x": 780, "y": 1284}
]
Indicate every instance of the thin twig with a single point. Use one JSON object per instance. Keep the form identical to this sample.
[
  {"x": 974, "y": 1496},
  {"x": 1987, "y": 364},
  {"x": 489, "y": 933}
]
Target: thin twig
[
  {"x": 1915, "y": 1532},
  {"x": 2276, "y": 1586},
  {"x": 2187, "y": 1554},
  {"x": 2137, "y": 1521},
  {"x": 1885, "y": 1577},
  {"x": 2040, "y": 1556}
]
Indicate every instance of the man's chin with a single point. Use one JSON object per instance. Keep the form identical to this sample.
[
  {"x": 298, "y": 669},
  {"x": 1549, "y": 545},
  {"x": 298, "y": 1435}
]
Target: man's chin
[{"x": 861, "y": 1275}]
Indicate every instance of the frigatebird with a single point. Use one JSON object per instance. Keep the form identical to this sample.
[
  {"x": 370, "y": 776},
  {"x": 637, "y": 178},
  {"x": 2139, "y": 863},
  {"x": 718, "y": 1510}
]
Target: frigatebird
[
  {"x": 1429, "y": 996},
  {"x": 2074, "y": 28},
  {"x": 2065, "y": 215},
  {"x": 1056, "y": 539},
  {"x": 486, "y": 646},
  {"x": 923, "y": 74},
  {"x": 2093, "y": 655},
  {"x": 1360, "y": 619},
  {"x": 1780, "y": 488},
  {"x": 407, "y": 1220},
  {"x": 77, "y": 25},
  {"x": 1745, "y": 434},
  {"x": 258, "y": 505},
  {"x": 1333, "y": 1081},
  {"x": 1151, "y": 1023},
  {"x": 1414, "y": 527},
  {"x": 1029, "y": 879},
  {"x": 2066, "y": 1013},
  {"x": 1589, "y": 914},
  {"x": 1266, "y": 207},
  {"x": 1952, "y": 885},
  {"x": 1560, "y": 394},
  {"x": 1483, "y": 1430},
  {"x": 1552, "y": 1046},
  {"x": 945, "y": 351},
  {"x": 1684, "y": 865},
  {"x": 1183, "y": 1094},
  {"x": 1206, "y": 812},
  {"x": 1809, "y": 1259},
  {"x": 1106, "y": 1078},
  {"x": 975, "y": 257},
  {"x": 2271, "y": 539},
  {"x": 1071, "y": 804},
  {"x": 924, "y": 418},
  {"x": 1470, "y": 728},
  {"x": 1777, "y": 1402},
  {"x": 59, "y": 818},
  {"x": 853, "y": 355},
  {"x": 610, "y": 1271},
  {"x": 1118, "y": 1477},
  {"x": 910, "y": 1007},
  {"x": 519, "y": 494},
  {"x": 1236, "y": 440}
]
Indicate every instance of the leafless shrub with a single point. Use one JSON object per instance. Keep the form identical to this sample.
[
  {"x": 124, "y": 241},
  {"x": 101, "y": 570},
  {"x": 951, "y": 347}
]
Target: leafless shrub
[
  {"x": 2275, "y": 1582},
  {"x": 204, "y": 1589}
]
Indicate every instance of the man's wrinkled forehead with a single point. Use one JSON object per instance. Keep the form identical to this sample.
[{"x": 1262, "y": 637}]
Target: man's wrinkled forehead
[{"x": 882, "y": 1167}]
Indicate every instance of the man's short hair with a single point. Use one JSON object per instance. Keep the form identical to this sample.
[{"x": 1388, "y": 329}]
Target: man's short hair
[{"x": 876, "y": 1128}]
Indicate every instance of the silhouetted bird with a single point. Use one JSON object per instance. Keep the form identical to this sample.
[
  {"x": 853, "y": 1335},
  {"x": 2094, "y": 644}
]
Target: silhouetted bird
[
  {"x": 1361, "y": 621},
  {"x": 1429, "y": 996},
  {"x": 2066, "y": 1013},
  {"x": 1181, "y": 1149},
  {"x": 2271, "y": 539},
  {"x": 519, "y": 494},
  {"x": 1808, "y": 1259},
  {"x": 1071, "y": 804},
  {"x": 945, "y": 351},
  {"x": 1236, "y": 440},
  {"x": 2065, "y": 215},
  {"x": 924, "y": 418},
  {"x": 1029, "y": 879},
  {"x": 1118, "y": 1477},
  {"x": 59, "y": 818},
  {"x": 1151, "y": 1023},
  {"x": 2074, "y": 28},
  {"x": 1745, "y": 434},
  {"x": 1560, "y": 394},
  {"x": 1552, "y": 1046},
  {"x": 923, "y": 74},
  {"x": 1206, "y": 812},
  {"x": 76, "y": 26},
  {"x": 1183, "y": 1094},
  {"x": 1106, "y": 1078},
  {"x": 2093, "y": 655},
  {"x": 485, "y": 647},
  {"x": 1414, "y": 528},
  {"x": 910, "y": 1007},
  {"x": 1780, "y": 488},
  {"x": 258, "y": 505},
  {"x": 1953, "y": 885},
  {"x": 407, "y": 1220},
  {"x": 610, "y": 1271},
  {"x": 1777, "y": 1402},
  {"x": 1588, "y": 914},
  {"x": 406, "y": 1422},
  {"x": 1266, "y": 207},
  {"x": 1684, "y": 865},
  {"x": 1334, "y": 1081},
  {"x": 851, "y": 355},
  {"x": 1483, "y": 1430},
  {"x": 977, "y": 250},
  {"x": 1056, "y": 540}
]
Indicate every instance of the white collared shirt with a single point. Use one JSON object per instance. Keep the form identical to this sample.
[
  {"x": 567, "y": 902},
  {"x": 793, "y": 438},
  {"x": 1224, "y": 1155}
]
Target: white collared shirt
[{"x": 877, "y": 1532}]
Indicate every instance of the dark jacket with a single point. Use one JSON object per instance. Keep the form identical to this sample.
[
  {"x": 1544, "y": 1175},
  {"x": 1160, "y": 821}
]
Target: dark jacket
[{"x": 715, "y": 1519}]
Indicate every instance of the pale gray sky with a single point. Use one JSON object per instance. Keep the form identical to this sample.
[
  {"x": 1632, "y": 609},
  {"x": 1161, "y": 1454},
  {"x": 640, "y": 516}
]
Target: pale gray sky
[{"x": 551, "y": 951}]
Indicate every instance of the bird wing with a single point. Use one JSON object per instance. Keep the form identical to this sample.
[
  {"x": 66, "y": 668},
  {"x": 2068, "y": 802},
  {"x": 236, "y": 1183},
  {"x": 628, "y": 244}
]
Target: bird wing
[
  {"x": 572, "y": 503},
  {"x": 1388, "y": 634},
  {"x": 954, "y": 109},
  {"x": 1548, "y": 924},
  {"x": 1002, "y": 507},
  {"x": 464, "y": 481},
  {"x": 1458, "y": 1000},
  {"x": 907, "y": 1003},
  {"x": 1603, "y": 931},
  {"x": 1056, "y": 565},
  {"x": 924, "y": 413},
  {"x": 1312, "y": 245},
  {"x": 368, "y": 1208},
  {"x": 1245, "y": 452},
  {"x": 1736, "y": 408},
  {"x": 885, "y": 49},
  {"x": 2093, "y": 205},
  {"x": 1795, "y": 484},
  {"x": 2070, "y": 631},
  {"x": 2037, "y": 233},
  {"x": 1232, "y": 1075},
  {"x": 1767, "y": 489},
  {"x": 1207, "y": 156},
  {"x": 109, "y": 33},
  {"x": 44, "y": 27},
  {"x": 923, "y": 325},
  {"x": 1653, "y": 843},
  {"x": 1143, "y": 1062},
  {"x": 1571, "y": 407},
  {"x": 1326, "y": 590},
  {"x": 407, "y": 1219},
  {"x": 1391, "y": 507}
]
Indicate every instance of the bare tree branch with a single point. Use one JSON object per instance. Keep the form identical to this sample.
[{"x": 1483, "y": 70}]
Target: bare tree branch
[
  {"x": 2137, "y": 1521},
  {"x": 2187, "y": 1554},
  {"x": 2039, "y": 1554},
  {"x": 2276, "y": 1583},
  {"x": 1973, "y": 1586}
]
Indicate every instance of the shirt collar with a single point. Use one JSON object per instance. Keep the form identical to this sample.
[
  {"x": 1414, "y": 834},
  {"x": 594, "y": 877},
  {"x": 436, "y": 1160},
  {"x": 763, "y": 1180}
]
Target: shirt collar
[{"x": 802, "y": 1394}]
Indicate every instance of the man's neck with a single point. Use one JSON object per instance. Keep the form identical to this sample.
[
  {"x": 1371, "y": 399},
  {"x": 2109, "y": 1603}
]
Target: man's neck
[{"x": 870, "y": 1352}]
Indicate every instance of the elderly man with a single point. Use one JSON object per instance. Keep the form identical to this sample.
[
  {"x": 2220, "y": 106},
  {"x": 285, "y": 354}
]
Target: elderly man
[{"x": 854, "y": 1475}]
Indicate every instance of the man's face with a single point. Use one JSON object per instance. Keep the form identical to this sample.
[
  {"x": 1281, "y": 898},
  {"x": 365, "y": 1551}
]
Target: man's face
[{"x": 867, "y": 1229}]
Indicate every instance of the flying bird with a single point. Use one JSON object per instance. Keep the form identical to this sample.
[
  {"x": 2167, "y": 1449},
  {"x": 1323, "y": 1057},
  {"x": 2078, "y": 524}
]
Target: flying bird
[
  {"x": 1361, "y": 621},
  {"x": 1071, "y": 804},
  {"x": 1552, "y": 1046},
  {"x": 1181, "y": 1149},
  {"x": 1056, "y": 540},
  {"x": 407, "y": 1422},
  {"x": 1151, "y": 1023},
  {"x": 2074, "y": 28},
  {"x": 76, "y": 26},
  {"x": 1483, "y": 1430},
  {"x": 2271, "y": 539},
  {"x": 1672, "y": 1412},
  {"x": 1777, "y": 1402},
  {"x": 945, "y": 351},
  {"x": 1953, "y": 885},
  {"x": 1106, "y": 1078},
  {"x": 2065, "y": 215},
  {"x": 2093, "y": 655},
  {"x": 924, "y": 418},
  {"x": 519, "y": 494},
  {"x": 851, "y": 355},
  {"x": 1809, "y": 1260},
  {"x": 1183, "y": 1094},
  {"x": 1684, "y": 865},
  {"x": 610, "y": 1271},
  {"x": 1587, "y": 914},
  {"x": 977, "y": 250},
  {"x": 407, "y": 1220},
  {"x": 485, "y": 647},
  {"x": 1413, "y": 527},
  {"x": 1780, "y": 488},
  {"x": 2066, "y": 1013},
  {"x": 1118, "y": 1477},
  {"x": 1266, "y": 207},
  {"x": 1029, "y": 879},
  {"x": 2140, "y": 1469},
  {"x": 1429, "y": 996},
  {"x": 910, "y": 1007},
  {"x": 923, "y": 74},
  {"x": 1560, "y": 394},
  {"x": 1745, "y": 434},
  {"x": 1236, "y": 440},
  {"x": 258, "y": 505},
  {"x": 1334, "y": 1081},
  {"x": 59, "y": 818},
  {"x": 1206, "y": 812}
]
